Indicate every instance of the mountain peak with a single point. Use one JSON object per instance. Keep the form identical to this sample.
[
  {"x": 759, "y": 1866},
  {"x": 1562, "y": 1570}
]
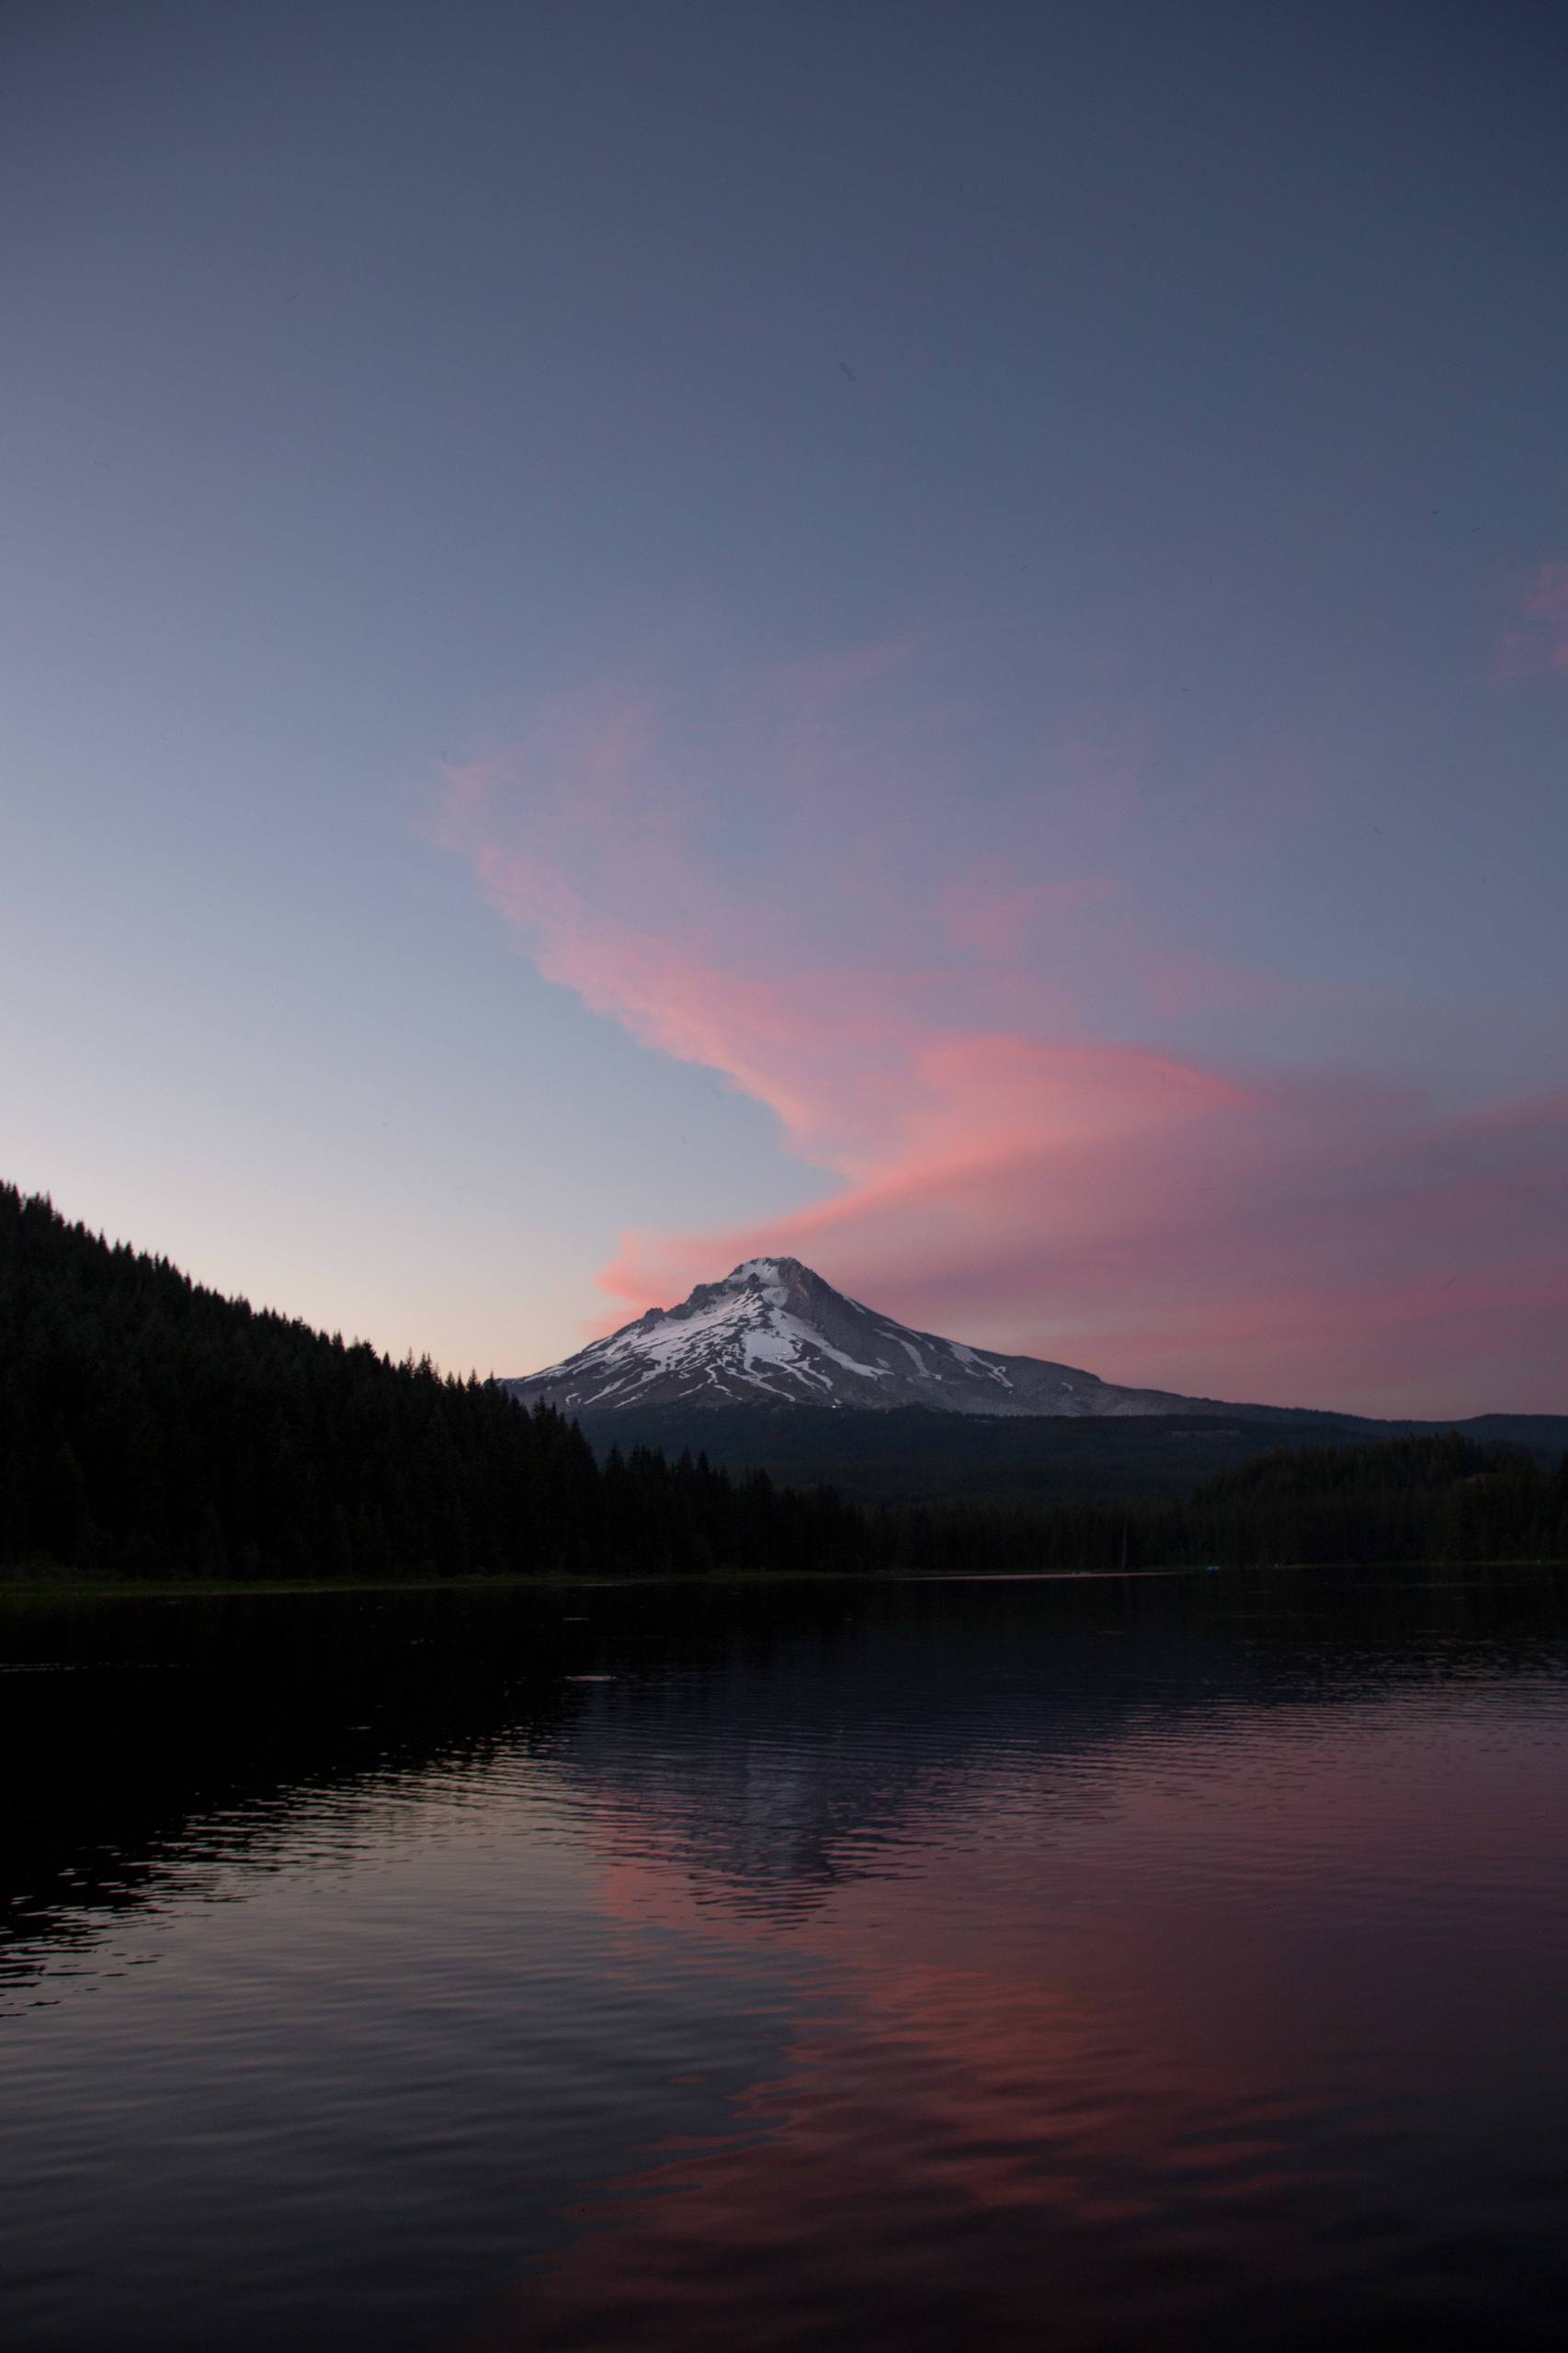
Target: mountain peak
[
  {"x": 767, "y": 1270},
  {"x": 772, "y": 1332}
]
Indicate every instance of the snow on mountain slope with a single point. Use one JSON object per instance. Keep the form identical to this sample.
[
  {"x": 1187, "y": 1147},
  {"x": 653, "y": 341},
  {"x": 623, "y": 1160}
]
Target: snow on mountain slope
[{"x": 773, "y": 1332}]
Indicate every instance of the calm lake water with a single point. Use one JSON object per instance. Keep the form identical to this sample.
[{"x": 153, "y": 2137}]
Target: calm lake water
[{"x": 1144, "y": 1963}]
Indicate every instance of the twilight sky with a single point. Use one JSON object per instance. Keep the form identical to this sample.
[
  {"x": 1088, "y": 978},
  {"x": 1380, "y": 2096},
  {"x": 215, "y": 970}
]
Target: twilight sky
[{"x": 936, "y": 636}]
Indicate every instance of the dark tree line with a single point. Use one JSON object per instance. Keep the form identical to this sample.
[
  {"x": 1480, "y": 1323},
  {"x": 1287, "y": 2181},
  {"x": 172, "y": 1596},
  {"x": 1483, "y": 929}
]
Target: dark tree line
[
  {"x": 149, "y": 1428},
  {"x": 1432, "y": 1499}
]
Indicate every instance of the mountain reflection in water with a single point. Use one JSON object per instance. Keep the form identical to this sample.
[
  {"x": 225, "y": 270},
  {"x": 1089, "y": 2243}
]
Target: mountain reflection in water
[{"x": 1126, "y": 1962}]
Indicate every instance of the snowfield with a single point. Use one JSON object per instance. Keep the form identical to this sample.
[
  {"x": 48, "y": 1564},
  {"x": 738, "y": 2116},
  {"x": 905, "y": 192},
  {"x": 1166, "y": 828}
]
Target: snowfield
[{"x": 774, "y": 1333}]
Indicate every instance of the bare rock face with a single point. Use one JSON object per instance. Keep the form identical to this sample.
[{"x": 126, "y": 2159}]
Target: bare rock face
[{"x": 774, "y": 1333}]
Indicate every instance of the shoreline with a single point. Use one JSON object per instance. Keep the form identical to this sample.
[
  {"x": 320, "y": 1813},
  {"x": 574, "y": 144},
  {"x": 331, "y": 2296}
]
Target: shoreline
[{"x": 61, "y": 1585}]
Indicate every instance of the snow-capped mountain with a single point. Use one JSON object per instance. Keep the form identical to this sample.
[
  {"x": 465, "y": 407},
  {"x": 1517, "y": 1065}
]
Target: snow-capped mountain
[{"x": 774, "y": 1333}]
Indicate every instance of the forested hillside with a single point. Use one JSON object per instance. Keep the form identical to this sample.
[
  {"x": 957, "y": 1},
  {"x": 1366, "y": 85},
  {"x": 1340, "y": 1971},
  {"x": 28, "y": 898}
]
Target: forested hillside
[
  {"x": 910, "y": 1454},
  {"x": 149, "y": 1428},
  {"x": 1432, "y": 1499}
]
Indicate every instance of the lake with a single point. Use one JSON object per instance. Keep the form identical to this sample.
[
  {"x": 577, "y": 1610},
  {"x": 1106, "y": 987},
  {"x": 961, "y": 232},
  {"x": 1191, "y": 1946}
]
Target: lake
[{"x": 1133, "y": 1963}]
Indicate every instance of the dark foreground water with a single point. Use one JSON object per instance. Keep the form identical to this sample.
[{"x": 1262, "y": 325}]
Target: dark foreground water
[{"x": 1127, "y": 1963}]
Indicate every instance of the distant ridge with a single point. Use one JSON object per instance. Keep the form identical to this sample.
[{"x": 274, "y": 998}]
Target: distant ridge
[
  {"x": 773, "y": 1333},
  {"x": 1027, "y": 1462}
]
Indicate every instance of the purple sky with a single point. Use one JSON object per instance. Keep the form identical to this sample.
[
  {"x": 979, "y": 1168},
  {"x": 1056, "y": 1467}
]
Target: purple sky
[{"x": 933, "y": 637}]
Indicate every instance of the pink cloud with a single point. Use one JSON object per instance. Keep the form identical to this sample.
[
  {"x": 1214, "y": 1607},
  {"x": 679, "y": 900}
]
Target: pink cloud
[
  {"x": 1301, "y": 1245},
  {"x": 997, "y": 917},
  {"x": 1539, "y": 641},
  {"x": 1005, "y": 1174}
]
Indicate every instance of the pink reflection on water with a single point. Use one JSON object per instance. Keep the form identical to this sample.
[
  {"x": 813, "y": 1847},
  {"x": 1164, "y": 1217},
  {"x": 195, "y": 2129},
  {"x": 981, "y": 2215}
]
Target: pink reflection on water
[{"x": 1092, "y": 2064}]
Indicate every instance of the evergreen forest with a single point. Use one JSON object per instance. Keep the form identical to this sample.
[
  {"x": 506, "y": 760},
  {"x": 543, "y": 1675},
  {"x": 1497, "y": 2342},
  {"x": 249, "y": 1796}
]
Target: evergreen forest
[{"x": 150, "y": 1428}]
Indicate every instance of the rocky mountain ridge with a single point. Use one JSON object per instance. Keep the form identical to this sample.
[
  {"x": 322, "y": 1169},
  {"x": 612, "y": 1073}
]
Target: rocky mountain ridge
[{"x": 773, "y": 1332}]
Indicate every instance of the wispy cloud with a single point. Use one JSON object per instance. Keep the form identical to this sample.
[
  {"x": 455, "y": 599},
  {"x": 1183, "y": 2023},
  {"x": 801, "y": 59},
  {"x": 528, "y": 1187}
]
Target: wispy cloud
[
  {"x": 1538, "y": 643},
  {"x": 823, "y": 917}
]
